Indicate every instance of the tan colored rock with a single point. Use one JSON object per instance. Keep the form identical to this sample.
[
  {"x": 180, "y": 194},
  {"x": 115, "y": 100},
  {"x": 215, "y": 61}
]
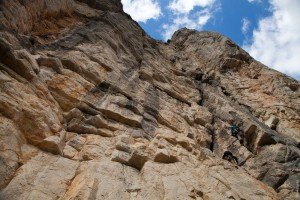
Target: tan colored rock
[
  {"x": 52, "y": 144},
  {"x": 200, "y": 115},
  {"x": 53, "y": 63},
  {"x": 116, "y": 112},
  {"x": 41, "y": 177},
  {"x": 20, "y": 61},
  {"x": 272, "y": 122},
  {"x": 139, "y": 157},
  {"x": 69, "y": 152},
  {"x": 77, "y": 142},
  {"x": 121, "y": 146},
  {"x": 79, "y": 127},
  {"x": 67, "y": 91},
  {"x": 95, "y": 180},
  {"x": 180, "y": 181},
  {"x": 130, "y": 152},
  {"x": 35, "y": 116},
  {"x": 11, "y": 140},
  {"x": 121, "y": 157},
  {"x": 164, "y": 156},
  {"x": 96, "y": 147},
  {"x": 267, "y": 168},
  {"x": 129, "y": 117}
]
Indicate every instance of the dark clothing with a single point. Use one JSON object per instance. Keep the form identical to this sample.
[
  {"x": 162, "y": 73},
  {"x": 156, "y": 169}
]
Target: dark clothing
[
  {"x": 229, "y": 157},
  {"x": 234, "y": 130}
]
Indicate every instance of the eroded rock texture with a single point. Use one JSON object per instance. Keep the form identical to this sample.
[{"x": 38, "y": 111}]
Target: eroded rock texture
[{"x": 92, "y": 108}]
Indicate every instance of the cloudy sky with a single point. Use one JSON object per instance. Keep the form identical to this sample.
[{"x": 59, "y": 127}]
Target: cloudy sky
[{"x": 268, "y": 29}]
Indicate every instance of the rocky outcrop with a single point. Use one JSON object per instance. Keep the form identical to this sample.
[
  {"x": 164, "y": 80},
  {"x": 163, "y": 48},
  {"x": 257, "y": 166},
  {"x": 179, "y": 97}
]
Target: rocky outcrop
[{"x": 91, "y": 107}]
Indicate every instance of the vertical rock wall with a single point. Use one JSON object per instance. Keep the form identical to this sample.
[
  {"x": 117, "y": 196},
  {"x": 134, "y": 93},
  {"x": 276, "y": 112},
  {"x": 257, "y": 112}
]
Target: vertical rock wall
[{"x": 91, "y": 107}]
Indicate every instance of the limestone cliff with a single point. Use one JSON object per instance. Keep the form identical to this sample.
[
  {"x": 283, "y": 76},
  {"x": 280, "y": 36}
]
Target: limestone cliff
[{"x": 91, "y": 107}]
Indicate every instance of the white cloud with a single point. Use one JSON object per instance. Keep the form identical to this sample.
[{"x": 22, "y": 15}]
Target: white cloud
[
  {"x": 254, "y": 1},
  {"x": 179, "y": 22},
  {"x": 276, "y": 41},
  {"x": 245, "y": 27},
  {"x": 142, "y": 10},
  {"x": 185, "y": 6},
  {"x": 184, "y": 21},
  {"x": 184, "y": 15},
  {"x": 202, "y": 20}
]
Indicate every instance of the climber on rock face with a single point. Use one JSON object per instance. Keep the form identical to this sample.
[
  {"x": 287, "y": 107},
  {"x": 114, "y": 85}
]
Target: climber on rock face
[
  {"x": 236, "y": 132},
  {"x": 230, "y": 157}
]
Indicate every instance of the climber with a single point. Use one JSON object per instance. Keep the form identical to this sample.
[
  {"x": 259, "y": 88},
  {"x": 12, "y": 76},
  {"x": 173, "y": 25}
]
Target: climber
[
  {"x": 230, "y": 157},
  {"x": 236, "y": 132}
]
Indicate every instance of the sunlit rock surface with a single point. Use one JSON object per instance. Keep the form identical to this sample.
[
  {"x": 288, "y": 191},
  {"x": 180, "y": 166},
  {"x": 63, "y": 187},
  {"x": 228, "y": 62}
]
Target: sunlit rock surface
[{"x": 91, "y": 107}]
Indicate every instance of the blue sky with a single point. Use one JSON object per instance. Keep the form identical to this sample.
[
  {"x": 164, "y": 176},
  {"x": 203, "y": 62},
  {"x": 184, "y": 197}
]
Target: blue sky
[{"x": 268, "y": 29}]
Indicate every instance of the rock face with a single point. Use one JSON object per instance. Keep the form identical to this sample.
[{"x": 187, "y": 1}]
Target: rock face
[{"x": 92, "y": 108}]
